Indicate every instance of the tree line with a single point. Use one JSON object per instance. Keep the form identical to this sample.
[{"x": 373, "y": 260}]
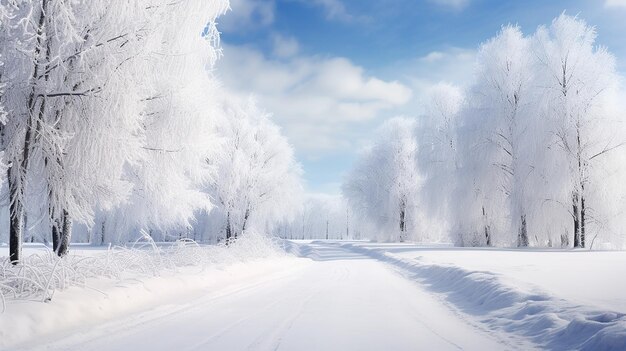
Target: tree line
[
  {"x": 530, "y": 154},
  {"x": 112, "y": 123}
]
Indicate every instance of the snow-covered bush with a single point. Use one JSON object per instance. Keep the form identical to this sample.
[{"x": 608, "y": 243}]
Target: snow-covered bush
[{"x": 38, "y": 276}]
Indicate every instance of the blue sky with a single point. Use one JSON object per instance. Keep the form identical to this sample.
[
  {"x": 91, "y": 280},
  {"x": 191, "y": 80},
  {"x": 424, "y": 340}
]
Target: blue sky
[{"x": 330, "y": 71}]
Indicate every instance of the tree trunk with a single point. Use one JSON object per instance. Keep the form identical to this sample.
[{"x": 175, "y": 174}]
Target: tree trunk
[
  {"x": 402, "y": 219},
  {"x": 56, "y": 236},
  {"x": 576, "y": 216},
  {"x": 103, "y": 228},
  {"x": 582, "y": 217},
  {"x": 245, "y": 221},
  {"x": 326, "y": 229},
  {"x": 579, "y": 197},
  {"x": 229, "y": 232},
  {"x": 66, "y": 234},
  {"x": 17, "y": 171},
  {"x": 16, "y": 213},
  {"x": 522, "y": 237},
  {"x": 487, "y": 231},
  {"x": 55, "y": 222}
]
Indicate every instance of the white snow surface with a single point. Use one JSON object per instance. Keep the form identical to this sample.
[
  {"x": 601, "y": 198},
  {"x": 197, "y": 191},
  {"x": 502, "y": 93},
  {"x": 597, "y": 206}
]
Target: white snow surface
[
  {"x": 340, "y": 296},
  {"x": 558, "y": 299},
  {"x": 590, "y": 278}
]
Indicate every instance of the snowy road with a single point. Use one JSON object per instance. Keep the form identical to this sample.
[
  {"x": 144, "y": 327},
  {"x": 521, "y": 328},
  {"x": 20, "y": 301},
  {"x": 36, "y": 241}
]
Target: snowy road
[{"x": 342, "y": 301}]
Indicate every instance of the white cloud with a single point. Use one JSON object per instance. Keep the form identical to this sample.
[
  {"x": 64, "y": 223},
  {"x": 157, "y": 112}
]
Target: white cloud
[
  {"x": 334, "y": 9},
  {"x": 433, "y": 56},
  {"x": 451, "y": 65},
  {"x": 320, "y": 102},
  {"x": 457, "y": 4},
  {"x": 615, "y": 3},
  {"x": 285, "y": 47},
  {"x": 451, "y": 55},
  {"x": 247, "y": 14},
  {"x": 329, "y": 104},
  {"x": 339, "y": 77},
  {"x": 329, "y": 107}
]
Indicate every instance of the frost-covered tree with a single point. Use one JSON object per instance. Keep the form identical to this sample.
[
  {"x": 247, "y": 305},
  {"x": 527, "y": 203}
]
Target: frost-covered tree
[
  {"x": 24, "y": 51},
  {"x": 257, "y": 184},
  {"x": 320, "y": 217},
  {"x": 3, "y": 112},
  {"x": 383, "y": 184},
  {"x": 95, "y": 86},
  {"x": 540, "y": 129},
  {"x": 532, "y": 154},
  {"x": 578, "y": 87},
  {"x": 437, "y": 154},
  {"x": 180, "y": 110},
  {"x": 86, "y": 136},
  {"x": 54, "y": 50},
  {"x": 495, "y": 133}
]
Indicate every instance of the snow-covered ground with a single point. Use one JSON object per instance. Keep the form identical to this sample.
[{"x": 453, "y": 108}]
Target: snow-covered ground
[
  {"x": 340, "y": 296},
  {"x": 561, "y": 300},
  {"x": 121, "y": 283},
  {"x": 590, "y": 278}
]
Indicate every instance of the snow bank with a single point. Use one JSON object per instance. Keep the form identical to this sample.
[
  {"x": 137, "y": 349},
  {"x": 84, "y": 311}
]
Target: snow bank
[
  {"x": 38, "y": 276},
  {"x": 122, "y": 281},
  {"x": 550, "y": 322}
]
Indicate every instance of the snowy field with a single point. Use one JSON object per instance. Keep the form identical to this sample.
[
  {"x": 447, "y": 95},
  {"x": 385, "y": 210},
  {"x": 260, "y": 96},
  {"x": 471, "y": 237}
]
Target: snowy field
[
  {"x": 557, "y": 299},
  {"x": 329, "y": 295},
  {"x": 589, "y": 278}
]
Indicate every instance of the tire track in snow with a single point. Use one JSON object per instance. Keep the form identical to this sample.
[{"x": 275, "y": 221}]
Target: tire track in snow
[
  {"x": 162, "y": 315},
  {"x": 206, "y": 341},
  {"x": 274, "y": 339}
]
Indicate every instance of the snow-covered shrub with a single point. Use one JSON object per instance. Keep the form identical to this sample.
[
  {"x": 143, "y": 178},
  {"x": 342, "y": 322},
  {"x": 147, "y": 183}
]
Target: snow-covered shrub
[{"x": 39, "y": 276}]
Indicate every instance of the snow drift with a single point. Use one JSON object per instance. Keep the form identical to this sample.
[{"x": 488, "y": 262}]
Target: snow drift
[{"x": 550, "y": 322}]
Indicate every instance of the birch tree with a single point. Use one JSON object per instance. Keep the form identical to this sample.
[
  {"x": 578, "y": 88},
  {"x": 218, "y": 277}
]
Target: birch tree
[
  {"x": 35, "y": 39},
  {"x": 179, "y": 97},
  {"x": 83, "y": 96},
  {"x": 383, "y": 184},
  {"x": 258, "y": 180},
  {"x": 437, "y": 154},
  {"x": 502, "y": 96},
  {"x": 580, "y": 80}
]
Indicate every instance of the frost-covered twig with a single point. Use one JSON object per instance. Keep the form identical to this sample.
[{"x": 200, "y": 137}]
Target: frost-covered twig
[{"x": 40, "y": 275}]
